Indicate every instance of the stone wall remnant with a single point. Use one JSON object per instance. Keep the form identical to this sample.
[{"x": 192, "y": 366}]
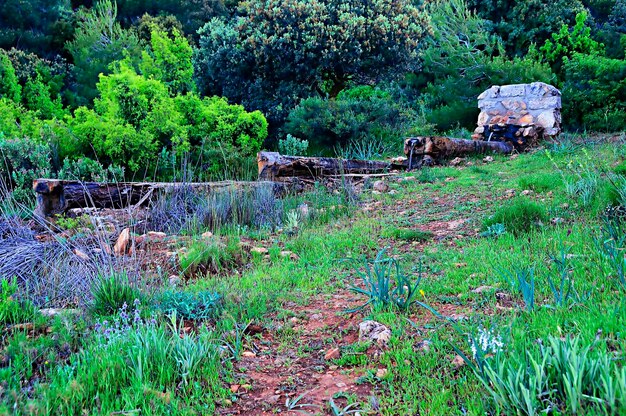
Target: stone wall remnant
[{"x": 536, "y": 107}]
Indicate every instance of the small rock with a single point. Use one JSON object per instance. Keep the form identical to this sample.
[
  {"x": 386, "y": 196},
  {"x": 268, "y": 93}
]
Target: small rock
[
  {"x": 207, "y": 235},
  {"x": 294, "y": 320},
  {"x": 381, "y": 372},
  {"x": 317, "y": 316},
  {"x": 510, "y": 193},
  {"x": 487, "y": 159},
  {"x": 374, "y": 331},
  {"x": 259, "y": 250},
  {"x": 380, "y": 186},
  {"x": 527, "y": 192},
  {"x": 424, "y": 345},
  {"x": 482, "y": 289},
  {"x": 174, "y": 280},
  {"x": 246, "y": 386},
  {"x": 248, "y": 354},
  {"x": 332, "y": 354},
  {"x": 234, "y": 388},
  {"x": 458, "y": 361},
  {"x": 456, "y": 161},
  {"x": 82, "y": 255},
  {"x": 273, "y": 399},
  {"x": 123, "y": 241},
  {"x": 557, "y": 220},
  {"x": 156, "y": 235},
  {"x": 332, "y": 367},
  {"x": 303, "y": 210},
  {"x": 341, "y": 385},
  {"x": 292, "y": 256}
]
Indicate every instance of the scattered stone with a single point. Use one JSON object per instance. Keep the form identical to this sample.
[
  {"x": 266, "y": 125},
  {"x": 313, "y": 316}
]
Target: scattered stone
[
  {"x": 510, "y": 193},
  {"x": 234, "y": 388},
  {"x": 482, "y": 289},
  {"x": 81, "y": 254},
  {"x": 381, "y": 372},
  {"x": 273, "y": 399},
  {"x": 374, "y": 331},
  {"x": 58, "y": 311},
  {"x": 424, "y": 345},
  {"x": 259, "y": 250},
  {"x": 527, "y": 192},
  {"x": 456, "y": 161},
  {"x": 246, "y": 386},
  {"x": 557, "y": 220},
  {"x": 341, "y": 385},
  {"x": 458, "y": 361},
  {"x": 460, "y": 265},
  {"x": 174, "y": 280},
  {"x": 303, "y": 211},
  {"x": 487, "y": 159},
  {"x": 123, "y": 242},
  {"x": 248, "y": 354},
  {"x": 317, "y": 317},
  {"x": 380, "y": 186},
  {"x": 207, "y": 235},
  {"x": 333, "y": 367},
  {"x": 156, "y": 235},
  {"x": 332, "y": 354},
  {"x": 292, "y": 256},
  {"x": 294, "y": 320}
]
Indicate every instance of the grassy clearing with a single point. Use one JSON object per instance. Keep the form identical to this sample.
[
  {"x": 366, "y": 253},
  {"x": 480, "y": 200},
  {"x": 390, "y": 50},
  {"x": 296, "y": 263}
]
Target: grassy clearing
[{"x": 544, "y": 294}]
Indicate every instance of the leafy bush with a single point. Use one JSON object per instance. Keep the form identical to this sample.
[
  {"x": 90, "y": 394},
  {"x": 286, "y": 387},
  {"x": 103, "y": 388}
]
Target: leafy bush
[
  {"x": 594, "y": 92},
  {"x": 12, "y": 310},
  {"x": 518, "y": 215},
  {"x": 189, "y": 305},
  {"x": 111, "y": 293},
  {"x": 277, "y": 52},
  {"x": 291, "y": 145},
  {"x": 356, "y": 115}
]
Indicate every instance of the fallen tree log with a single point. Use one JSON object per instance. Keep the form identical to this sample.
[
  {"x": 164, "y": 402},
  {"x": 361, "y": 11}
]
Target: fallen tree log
[
  {"x": 429, "y": 150},
  {"x": 273, "y": 166},
  {"x": 57, "y": 196}
]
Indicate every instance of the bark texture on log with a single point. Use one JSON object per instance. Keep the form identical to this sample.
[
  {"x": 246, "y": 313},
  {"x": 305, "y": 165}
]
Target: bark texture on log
[
  {"x": 427, "y": 150},
  {"x": 57, "y": 196},
  {"x": 273, "y": 165}
]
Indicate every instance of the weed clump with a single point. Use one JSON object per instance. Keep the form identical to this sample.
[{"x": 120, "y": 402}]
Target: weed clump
[
  {"x": 518, "y": 216},
  {"x": 12, "y": 310},
  {"x": 408, "y": 234},
  {"x": 111, "y": 293},
  {"x": 188, "y": 305},
  {"x": 212, "y": 256}
]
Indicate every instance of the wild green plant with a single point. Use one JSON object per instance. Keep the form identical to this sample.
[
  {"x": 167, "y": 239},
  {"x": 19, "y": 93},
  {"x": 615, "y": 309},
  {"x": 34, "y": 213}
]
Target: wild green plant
[
  {"x": 111, "y": 292},
  {"x": 564, "y": 375},
  {"x": 495, "y": 230},
  {"x": 524, "y": 280},
  {"x": 12, "y": 310},
  {"x": 211, "y": 256},
  {"x": 296, "y": 404},
  {"x": 385, "y": 285},
  {"x": 293, "y": 146},
  {"x": 408, "y": 234},
  {"x": 350, "y": 409},
  {"x": 191, "y": 305},
  {"x": 611, "y": 243},
  {"x": 563, "y": 291}
]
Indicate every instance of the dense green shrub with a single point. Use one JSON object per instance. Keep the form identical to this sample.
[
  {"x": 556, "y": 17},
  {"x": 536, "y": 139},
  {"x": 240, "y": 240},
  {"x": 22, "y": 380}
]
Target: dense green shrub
[
  {"x": 518, "y": 216},
  {"x": 211, "y": 256},
  {"x": 357, "y": 114},
  {"x": 279, "y": 51},
  {"x": 594, "y": 92},
  {"x": 291, "y": 145}
]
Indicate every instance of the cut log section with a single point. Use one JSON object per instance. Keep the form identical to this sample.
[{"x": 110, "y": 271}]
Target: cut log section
[
  {"x": 57, "y": 196},
  {"x": 429, "y": 150},
  {"x": 274, "y": 166}
]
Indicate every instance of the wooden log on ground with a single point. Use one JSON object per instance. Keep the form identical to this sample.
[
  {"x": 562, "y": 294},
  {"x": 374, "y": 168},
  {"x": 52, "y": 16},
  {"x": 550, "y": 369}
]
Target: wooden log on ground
[
  {"x": 273, "y": 166},
  {"x": 57, "y": 196},
  {"x": 428, "y": 150}
]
